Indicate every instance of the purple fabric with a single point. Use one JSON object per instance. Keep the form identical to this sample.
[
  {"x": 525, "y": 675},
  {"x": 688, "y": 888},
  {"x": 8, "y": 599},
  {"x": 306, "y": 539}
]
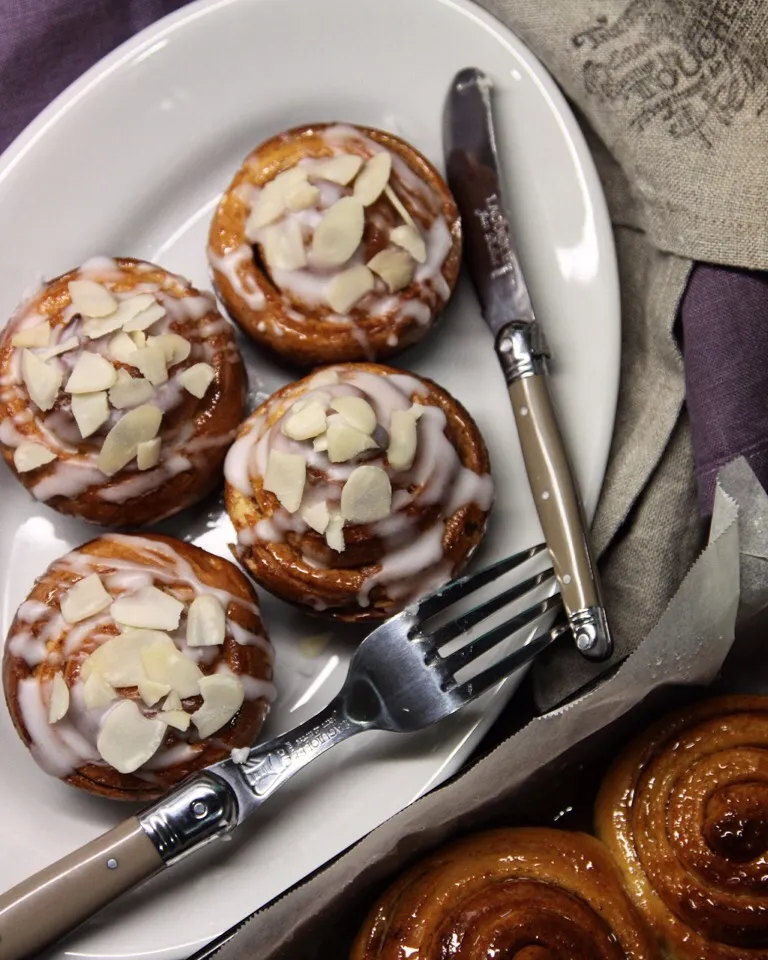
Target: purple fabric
[
  {"x": 724, "y": 317},
  {"x": 46, "y": 44}
]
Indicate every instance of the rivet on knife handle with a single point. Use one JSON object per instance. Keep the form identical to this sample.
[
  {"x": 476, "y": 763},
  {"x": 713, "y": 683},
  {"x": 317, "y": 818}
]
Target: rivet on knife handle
[{"x": 522, "y": 353}]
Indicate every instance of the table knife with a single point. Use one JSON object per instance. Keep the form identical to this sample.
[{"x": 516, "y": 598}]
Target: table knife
[{"x": 473, "y": 175}]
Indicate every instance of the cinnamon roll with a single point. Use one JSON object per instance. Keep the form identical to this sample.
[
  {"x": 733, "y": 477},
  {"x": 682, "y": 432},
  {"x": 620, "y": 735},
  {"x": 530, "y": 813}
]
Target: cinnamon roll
[
  {"x": 685, "y": 813},
  {"x": 136, "y": 661},
  {"x": 357, "y": 489},
  {"x": 528, "y": 894},
  {"x": 335, "y": 243},
  {"x": 121, "y": 387}
]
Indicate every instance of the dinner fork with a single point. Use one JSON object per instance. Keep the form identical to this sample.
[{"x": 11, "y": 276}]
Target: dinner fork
[{"x": 402, "y": 678}]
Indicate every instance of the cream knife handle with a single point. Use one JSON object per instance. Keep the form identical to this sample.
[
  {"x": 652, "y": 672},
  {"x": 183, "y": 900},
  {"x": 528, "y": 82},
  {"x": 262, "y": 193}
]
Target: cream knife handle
[
  {"x": 54, "y": 901},
  {"x": 522, "y": 355}
]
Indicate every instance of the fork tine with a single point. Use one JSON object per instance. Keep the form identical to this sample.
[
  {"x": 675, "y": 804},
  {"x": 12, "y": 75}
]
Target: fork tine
[
  {"x": 435, "y": 602},
  {"x": 471, "y": 618},
  {"x": 487, "y": 641},
  {"x": 478, "y": 685}
]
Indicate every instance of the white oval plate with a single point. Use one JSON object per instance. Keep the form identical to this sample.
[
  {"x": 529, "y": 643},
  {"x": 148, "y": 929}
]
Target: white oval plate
[{"x": 130, "y": 161}]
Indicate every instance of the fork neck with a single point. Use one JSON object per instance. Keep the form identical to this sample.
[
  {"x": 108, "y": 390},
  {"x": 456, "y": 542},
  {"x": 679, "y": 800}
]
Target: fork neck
[{"x": 271, "y": 764}]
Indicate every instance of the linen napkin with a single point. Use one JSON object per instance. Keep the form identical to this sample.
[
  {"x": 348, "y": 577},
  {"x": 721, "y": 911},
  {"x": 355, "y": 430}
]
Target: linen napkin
[{"x": 671, "y": 95}]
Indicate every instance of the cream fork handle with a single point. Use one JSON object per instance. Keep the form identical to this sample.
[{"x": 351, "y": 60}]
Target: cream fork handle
[{"x": 54, "y": 901}]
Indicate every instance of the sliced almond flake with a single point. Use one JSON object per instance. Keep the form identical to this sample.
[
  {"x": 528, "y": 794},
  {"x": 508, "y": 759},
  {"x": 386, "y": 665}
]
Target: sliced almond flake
[
  {"x": 172, "y": 701},
  {"x": 408, "y": 237},
  {"x": 349, "y": 287},
  {"x": 148, "y": 609},
  {"x": 324, "y": 378},
  {"x": 91, "y": 299},
  {"x": 126, "y": 310},
  {"x": 284, "y": 246},
  {"x": 143, "y": 320},
  {"x": 85, "y": 599},
  {"x": 139, "y": 338},
  {"x": 59, "y": 702},
  {"x": 121, "y": 444},
  {"x": 395, "y": 267},
  {"x": 197, "y": 378},
  {"x": 316, "y": 516},
  {"x": 151, "y": 692},
  {"x": 91, "y": 374},
  {"x": 334, "y": 534},
  {"x": 37, "y": 336},
  {"x": 367, "y": 495},
  {"x": 165, "y": 663},
  {"x": 373, "y": 178},
  {"x": 402, "y": 439},
  {"x": 397, "y": 203},
  {"x": 42, "y": 380},
  {"x": 179, "y": 719},
  {"x": 341, "y": 169},
  {"x": 285, "y": 476},
  {"x": 71, "y": 343},
  {"x": 301, "y": 196},
  {"x": 148, "y": 454},
  {"x": 118, "y": 660},
  {"x": 223, "y": 695},
  {"x": 150, "y": 361},
  {"x": 357, "y": 412},
  {"x": 269, "y": 206},
  {"x": 320, "y": 444},
  {"x": 339, "y": 233},
  {"x": 130, "y": 391},
  {"x": 30, "y": 455},
  {"x": 306, "y": 423},
  {"x": 175, "y": 348},
  {"x": 345, "y": 442},
  {"x": 90, "y": 411},
  {"x": 272, "y": 200},
  {"x": 206, "y": 622},
  {"x": 128, "y": 739},
  {"x": 121, "y": 346},
  {"x": 98, "y": 692}
]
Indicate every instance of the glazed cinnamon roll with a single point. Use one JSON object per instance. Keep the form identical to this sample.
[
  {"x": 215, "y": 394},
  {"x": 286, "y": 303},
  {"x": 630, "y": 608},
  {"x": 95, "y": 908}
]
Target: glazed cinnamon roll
[
  {"x": 685, "y": 813},
  {"x": 121, "y": 387},
  {"x": 527, "y": 894},
  {"x": 357, "y": 489},
  {"x": 136, "y": 661},
  {"x": 335, "y": 243}
]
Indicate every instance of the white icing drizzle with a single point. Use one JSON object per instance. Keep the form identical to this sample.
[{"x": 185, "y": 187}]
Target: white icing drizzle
[
  {"x": 412, "y": 559},
  {"x": 71, "y": 742},
  {"x": 229, "y": 266},
  {"x": 75, "y": 470},
  {"x": 308, "y": 286}
]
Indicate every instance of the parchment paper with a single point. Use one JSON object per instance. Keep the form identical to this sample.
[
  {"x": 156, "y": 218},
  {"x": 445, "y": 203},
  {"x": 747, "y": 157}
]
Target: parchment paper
[{"x": 685, "y": 649}]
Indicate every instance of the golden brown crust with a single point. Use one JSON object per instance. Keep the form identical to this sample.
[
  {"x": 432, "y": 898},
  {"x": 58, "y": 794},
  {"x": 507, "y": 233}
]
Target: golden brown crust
[
  {"x": 535, "y": 893},
  {"x": 304, "y": 335},
  {"x": 253, "y": 660},
  {"x": 303, "y": 570},
  {"x": 684, "y": 811},
  {"x": 198, "y": 429}
]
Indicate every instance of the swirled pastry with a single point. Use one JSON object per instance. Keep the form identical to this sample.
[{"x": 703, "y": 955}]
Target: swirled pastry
[
  {"x": 527, "y": 894},
  {"x": 685, "y": 813},
  {"x": 135, "y": 661},
  {"x": 357, "y": 489},
  {"x": 335, "y": 243},
  {"x": 121, "y": 389}
]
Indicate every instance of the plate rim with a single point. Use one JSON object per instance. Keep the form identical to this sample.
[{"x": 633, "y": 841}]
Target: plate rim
[{"x": 56, "y": 111}]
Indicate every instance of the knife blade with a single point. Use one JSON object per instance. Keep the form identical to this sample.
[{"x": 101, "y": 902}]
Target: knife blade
[{"x": 474, "y": 177}]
